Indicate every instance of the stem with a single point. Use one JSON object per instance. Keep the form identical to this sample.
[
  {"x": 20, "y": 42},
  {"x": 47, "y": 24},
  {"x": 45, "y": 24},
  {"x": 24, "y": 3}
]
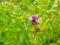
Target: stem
[
  {"x": 34, "y": 34},
  {"x": 35, "y": 26}
]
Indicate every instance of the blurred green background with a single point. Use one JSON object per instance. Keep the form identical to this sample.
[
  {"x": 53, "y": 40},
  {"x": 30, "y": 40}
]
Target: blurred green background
[{"x": 16, "y": 29}]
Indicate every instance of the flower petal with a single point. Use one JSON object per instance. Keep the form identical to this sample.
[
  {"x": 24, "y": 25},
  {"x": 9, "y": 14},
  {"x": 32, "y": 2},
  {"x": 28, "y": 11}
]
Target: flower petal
[
  {"x": 30, "y": 18},
  {"x": 38, "y": 20}
]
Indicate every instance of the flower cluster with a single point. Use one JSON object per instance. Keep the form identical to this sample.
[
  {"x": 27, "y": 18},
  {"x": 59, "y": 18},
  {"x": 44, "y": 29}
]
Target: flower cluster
[{"x": 34, "y": 19}]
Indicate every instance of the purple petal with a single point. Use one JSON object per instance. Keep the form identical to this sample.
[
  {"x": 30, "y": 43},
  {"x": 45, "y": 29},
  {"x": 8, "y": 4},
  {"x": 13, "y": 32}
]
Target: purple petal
[
  {"x": 30, "y": 18},
  {"x": 38, "y": 20}
]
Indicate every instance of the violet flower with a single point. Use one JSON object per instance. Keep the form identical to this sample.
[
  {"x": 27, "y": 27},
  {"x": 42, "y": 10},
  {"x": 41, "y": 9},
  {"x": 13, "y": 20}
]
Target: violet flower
[{"x": 34, "y": 19}]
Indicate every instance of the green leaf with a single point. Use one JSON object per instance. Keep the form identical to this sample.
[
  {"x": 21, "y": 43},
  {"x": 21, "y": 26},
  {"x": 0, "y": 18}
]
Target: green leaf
[{"x": 50, "y": 4}]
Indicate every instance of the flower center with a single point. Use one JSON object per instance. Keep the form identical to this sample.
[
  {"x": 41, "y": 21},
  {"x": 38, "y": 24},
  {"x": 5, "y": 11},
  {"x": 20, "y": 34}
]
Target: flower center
[{"x": 33, "y": 21}]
